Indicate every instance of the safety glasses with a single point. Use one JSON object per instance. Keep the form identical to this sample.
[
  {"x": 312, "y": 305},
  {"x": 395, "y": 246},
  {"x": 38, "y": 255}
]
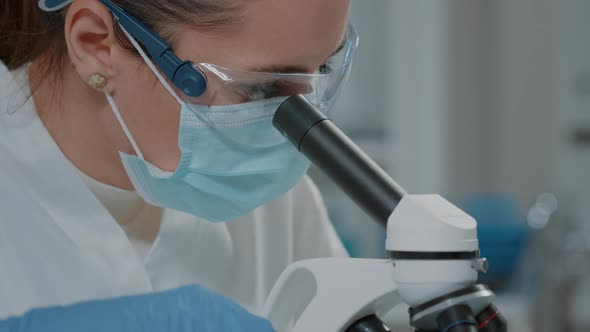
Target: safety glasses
[
  {"x": 229, "y": 86},
  {"x": 210, "y": 84},
  {"x": 205, "y": 84}
]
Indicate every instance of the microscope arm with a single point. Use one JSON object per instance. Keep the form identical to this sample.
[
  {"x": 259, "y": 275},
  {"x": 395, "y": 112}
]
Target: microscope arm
[{"x": 331, "y": 294}]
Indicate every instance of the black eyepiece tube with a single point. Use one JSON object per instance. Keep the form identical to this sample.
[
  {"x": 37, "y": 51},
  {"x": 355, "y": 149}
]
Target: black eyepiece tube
[{"x": 327, "y": 147}]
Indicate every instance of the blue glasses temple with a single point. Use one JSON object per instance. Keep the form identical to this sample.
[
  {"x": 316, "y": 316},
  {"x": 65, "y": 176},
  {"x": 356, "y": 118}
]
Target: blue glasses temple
[{"x": 182, "y": 74}]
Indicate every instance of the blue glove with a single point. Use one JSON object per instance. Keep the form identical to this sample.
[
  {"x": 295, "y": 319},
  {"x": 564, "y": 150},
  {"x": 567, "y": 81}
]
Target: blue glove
[{"x": 187, "y": 309}]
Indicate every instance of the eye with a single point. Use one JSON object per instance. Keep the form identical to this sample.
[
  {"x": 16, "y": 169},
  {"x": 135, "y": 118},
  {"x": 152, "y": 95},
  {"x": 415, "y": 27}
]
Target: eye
[
  {"x": 325, "y": 69},
  {"x": 259, "y": 91},
  {"x": 276, "y": 88},
  {"x": 334, "y": 61}
]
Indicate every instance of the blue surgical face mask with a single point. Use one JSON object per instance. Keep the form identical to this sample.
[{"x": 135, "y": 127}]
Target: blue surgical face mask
[
  {"x": 233, "y": 160},
  {"x": 223, "y": 173}
]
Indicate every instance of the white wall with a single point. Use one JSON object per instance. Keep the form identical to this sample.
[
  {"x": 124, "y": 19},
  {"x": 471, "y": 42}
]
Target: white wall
[
  {"x": 526, "y": 97},
  {"x": 572, "y": 86},
  {"x": 417, "y": 95},
  {"x": 470, "y": 95}
]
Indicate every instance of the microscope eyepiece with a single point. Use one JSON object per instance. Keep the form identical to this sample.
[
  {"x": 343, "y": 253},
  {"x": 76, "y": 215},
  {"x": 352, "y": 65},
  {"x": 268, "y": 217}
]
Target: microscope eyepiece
[{"x": 328, "y": 148}]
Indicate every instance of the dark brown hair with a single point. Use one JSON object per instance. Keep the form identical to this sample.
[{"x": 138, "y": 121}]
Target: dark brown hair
[{"x": 26, "y": 32}]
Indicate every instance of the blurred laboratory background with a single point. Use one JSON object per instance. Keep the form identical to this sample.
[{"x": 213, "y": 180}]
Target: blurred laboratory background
[{"x": 488, "y": 103}]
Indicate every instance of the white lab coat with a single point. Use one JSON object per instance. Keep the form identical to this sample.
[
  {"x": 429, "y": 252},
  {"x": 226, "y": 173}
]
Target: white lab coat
[{"x": 59, "y": 245}]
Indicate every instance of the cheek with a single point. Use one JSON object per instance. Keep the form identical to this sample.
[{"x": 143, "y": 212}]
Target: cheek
[{"x": 152, "y": 116}]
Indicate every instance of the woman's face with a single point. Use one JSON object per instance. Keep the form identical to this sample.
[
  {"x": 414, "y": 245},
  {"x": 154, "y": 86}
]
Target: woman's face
[{"x": 275, "y": 35}]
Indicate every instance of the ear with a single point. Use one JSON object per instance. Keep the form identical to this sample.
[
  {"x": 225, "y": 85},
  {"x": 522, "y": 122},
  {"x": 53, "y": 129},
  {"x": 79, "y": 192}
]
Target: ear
[{"x": 91, "y": 39}]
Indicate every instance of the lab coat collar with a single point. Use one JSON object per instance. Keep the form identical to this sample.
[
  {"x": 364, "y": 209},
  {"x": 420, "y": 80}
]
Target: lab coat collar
[{"x": 46, "y": 175}]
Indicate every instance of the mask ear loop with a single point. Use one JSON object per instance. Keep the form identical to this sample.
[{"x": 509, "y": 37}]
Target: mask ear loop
[
  {"x": 161, "y": 78},
  {"x": 115, "y": 110},
  {"x": 151, "y": 65},
  {"x": 153, "y": 68}
]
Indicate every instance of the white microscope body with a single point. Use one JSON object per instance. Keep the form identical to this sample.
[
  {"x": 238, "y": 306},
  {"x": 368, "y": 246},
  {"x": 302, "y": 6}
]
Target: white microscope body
[
  {"x": 432, "y": 247},
  {"x": 331, "y": 294}
]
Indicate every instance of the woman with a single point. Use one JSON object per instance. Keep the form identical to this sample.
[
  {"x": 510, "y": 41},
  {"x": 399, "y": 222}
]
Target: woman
[{"x": 99, "y": 115}]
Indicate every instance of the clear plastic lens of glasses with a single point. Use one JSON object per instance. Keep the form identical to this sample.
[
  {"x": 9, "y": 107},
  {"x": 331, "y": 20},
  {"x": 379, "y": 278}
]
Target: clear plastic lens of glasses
[{"x": 241, "y": 92}]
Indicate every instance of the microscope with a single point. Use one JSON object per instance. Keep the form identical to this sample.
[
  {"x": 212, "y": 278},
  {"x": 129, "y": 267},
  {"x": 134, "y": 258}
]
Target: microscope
[{"x": 432, "y": 248}]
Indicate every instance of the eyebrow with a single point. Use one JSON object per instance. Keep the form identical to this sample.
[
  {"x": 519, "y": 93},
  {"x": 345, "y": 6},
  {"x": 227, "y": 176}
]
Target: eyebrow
[{"x": 281, "y": 69}]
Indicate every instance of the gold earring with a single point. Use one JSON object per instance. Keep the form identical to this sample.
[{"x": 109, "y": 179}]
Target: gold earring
[{"x": 97, "y": 81}]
